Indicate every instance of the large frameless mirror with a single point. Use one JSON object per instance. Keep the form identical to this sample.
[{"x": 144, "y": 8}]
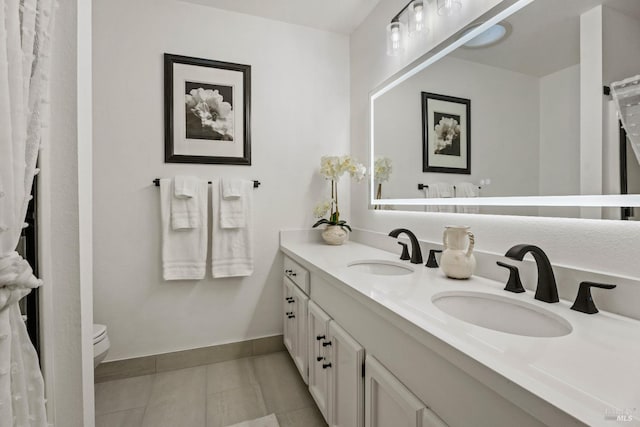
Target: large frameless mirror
[{"x": 516, "y": 116}]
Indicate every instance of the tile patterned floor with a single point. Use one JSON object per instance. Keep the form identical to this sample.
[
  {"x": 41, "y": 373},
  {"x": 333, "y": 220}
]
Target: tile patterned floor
[{"x": 215, "y": 395}]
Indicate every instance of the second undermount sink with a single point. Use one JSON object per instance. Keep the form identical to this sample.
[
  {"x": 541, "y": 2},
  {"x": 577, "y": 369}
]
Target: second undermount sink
[
  {"x": 381, "y": 267},
  {"x": 502, "y": 314}
]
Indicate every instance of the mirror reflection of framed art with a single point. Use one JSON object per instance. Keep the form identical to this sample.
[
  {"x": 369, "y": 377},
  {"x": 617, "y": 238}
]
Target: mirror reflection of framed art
[{"x": 446, "y": 134}]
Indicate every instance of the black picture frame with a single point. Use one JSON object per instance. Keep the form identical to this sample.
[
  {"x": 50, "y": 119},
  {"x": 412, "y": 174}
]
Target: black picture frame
[
  {"x": 174, "y": 142},
  {"x": 450, "y": 107}
]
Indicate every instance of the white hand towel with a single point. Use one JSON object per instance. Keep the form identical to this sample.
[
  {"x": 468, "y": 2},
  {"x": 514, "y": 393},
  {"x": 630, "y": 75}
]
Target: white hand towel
[
  {"x": 185, "y": 211},
  {"x": 233, "y": 213},
  {"x": 185, "y": 186},
  {"x": 184, "y": 252},
  {"x": 467, "y": 189},
  {"x": 231, "y": 248},
  {"x": 231, "y": 188}
]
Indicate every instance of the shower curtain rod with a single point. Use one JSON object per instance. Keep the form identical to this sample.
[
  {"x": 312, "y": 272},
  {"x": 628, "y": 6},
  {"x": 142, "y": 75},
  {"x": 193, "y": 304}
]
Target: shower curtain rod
[{"x": 156, "y": 182}]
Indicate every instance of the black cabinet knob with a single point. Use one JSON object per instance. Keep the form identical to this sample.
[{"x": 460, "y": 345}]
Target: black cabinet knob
[
  {"x": 288, "y": 271},
  {"x": 584, "y": 300},
  {"x": 326, "y": 365},
  {"x": 289, "y": 313},
  {"x": 432, "y": 262},
  {"x": 320, "y": 337},
  {"x": 291, "y": 316},
  {"x": 319, "y": 358},
  {"x": 326, "y": 344},
  {"x": 514, "y": 284}
]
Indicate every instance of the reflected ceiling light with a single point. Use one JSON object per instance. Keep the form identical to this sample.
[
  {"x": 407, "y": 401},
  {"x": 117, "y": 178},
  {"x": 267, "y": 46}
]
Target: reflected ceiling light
[
  {"x": 395, "y": 38},
  {"x": 492, "y": 36},
  {"x": 449, "y": 7}
]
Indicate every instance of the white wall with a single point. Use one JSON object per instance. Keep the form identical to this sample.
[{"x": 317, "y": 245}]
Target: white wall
[
  {"x": 504, "y": 140},
  {"x": 560, "y": 137},
  {"x": 607, "y": 246},
  {"x": 300, "y": 111},
  {"x": 67, "y": 351}
]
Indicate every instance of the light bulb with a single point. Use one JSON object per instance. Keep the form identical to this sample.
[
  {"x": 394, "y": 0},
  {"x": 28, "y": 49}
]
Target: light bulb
[
  {"x": 395, "y": 38},
  {"x": 417, "y": 18}
]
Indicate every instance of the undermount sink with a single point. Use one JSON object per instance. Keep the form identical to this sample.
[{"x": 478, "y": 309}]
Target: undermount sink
[
  {"x": 502, "y": 314},
  {"x": 381, "y": 267}
]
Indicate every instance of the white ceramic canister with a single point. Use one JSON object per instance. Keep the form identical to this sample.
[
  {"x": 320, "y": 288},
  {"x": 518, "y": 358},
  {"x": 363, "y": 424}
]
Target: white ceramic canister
[{"x": 457, "y": 260}]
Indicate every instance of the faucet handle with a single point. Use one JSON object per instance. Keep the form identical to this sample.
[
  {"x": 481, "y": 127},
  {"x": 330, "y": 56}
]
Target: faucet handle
[
  {"x": 405, "y": 251},
  {"x": 432, "y": 262},
  {"x": 513, "y": 284},
  {"x": 584, "y": 300}
]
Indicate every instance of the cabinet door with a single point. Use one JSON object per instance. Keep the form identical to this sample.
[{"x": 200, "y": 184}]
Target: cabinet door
[
  {"x": 346, "y": 383},
  {"x": 300, "y": 356},
  {"x": 290, "y": 325},
  {"x": 387, "y": 401},
  {"x": 319, "y": 353}
]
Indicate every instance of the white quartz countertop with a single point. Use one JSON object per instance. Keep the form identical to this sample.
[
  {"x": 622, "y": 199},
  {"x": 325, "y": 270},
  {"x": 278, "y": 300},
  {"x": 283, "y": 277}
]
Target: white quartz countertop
[{"x": 591, "y": 372}]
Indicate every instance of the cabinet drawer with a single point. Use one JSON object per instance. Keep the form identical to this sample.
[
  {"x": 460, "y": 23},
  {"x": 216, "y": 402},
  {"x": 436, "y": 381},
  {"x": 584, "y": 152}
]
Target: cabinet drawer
[{"x": 298, "y": 274}]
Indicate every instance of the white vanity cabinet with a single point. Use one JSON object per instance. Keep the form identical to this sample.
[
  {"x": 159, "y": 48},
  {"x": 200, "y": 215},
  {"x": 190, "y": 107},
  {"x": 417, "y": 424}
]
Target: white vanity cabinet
[
  {"x": 389, "y": 403},
  {"x": 335, "y": 371},
  {"x": 295, "y": 314},
  {"x": 319, "y": 355}
]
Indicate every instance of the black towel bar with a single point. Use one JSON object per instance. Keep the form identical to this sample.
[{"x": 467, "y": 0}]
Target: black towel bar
[{"x": 156, "y": 182}]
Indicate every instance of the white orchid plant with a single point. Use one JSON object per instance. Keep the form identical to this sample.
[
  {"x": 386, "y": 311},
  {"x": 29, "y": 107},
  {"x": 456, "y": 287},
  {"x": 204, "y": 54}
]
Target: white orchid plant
[
  {"x": 381, "y": 172},
  {"x": 332, "y": 168}
]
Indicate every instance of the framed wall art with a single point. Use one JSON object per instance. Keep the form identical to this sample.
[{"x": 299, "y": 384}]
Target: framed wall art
[
  {"x": 207, "y": 111},
  {"x": 446, "y": 134}
]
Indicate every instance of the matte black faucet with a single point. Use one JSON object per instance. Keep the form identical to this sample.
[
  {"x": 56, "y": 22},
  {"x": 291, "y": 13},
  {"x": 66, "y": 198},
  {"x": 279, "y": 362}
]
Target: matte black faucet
[
  {"x": 547, "y": 289},
  {"x": 416, "y": 253}
]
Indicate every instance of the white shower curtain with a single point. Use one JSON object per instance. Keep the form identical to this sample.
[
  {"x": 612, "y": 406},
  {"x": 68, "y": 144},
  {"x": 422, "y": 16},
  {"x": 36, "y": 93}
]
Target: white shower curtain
[
  {"x": 626, "y": 94},
  {"x": 25, "y": 46}
]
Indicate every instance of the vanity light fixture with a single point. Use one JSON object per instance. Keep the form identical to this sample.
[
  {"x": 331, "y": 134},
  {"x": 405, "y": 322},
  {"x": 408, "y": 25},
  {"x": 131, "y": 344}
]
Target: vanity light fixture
[
  {"x": 449, "y": 7},
  {"x": 417, "y": 18},
  {"x": 492, "y": 36},
  {"x": 395, "y": 38}
]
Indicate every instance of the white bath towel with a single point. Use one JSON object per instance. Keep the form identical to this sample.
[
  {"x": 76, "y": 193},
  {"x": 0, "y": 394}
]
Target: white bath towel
[
  {"x": 467, "y": 189},
  {"x": 440, "y": 190},
  {"x": 233, "y": 212},
  {"x": 185, "y": 203},
  {"x": 184, "y": 252},
  {"x": 231, "y": 248}
]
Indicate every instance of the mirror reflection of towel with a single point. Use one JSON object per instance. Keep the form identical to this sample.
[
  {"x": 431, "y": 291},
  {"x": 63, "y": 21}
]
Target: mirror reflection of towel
[
  {"x": 440, "y": 190},
  {"x": 467, "y": 189}
]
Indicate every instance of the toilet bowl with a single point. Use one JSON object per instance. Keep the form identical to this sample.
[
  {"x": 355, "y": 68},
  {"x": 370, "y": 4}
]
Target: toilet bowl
[{"x": 100, "y": 344}]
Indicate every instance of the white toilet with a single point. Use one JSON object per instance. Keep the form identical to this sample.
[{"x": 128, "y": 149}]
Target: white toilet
[{"x": 100, "y": 344}]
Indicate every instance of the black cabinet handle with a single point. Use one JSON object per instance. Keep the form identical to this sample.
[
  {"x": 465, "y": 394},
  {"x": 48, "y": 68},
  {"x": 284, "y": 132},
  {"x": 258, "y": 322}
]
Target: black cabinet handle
[
  {"x": 319, "y": 358},
  {"x": 291, "y": 316},
  {"x": 288, "y": 271},
  {"x": 289, "y": 313},
  {"x": 292, "y": 274},
  {"x": 584, "y": 300},
  {"x": 320, "y": 337},
  {"x": 326, "y": 365},
  {"x": 513, "y": 284},
  {"x": 289, "y": 299},
  {"x": 326, "y": 343}
]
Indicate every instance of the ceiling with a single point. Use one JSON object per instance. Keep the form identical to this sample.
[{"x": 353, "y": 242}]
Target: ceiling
[
  {"x": 545, "y": 37},
  {"x": 339, "y": 16}
]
